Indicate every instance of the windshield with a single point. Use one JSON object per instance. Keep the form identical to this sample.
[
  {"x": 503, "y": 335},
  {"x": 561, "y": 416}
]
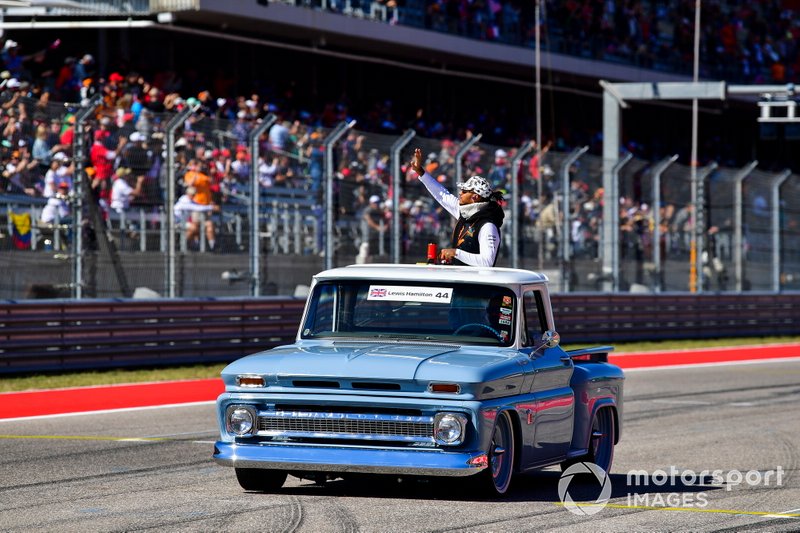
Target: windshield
[{"x": 453, "y": 312}]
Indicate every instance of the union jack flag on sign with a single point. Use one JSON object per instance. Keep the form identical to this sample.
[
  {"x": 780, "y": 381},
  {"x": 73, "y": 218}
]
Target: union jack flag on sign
[{"x": 377, "y": 293}]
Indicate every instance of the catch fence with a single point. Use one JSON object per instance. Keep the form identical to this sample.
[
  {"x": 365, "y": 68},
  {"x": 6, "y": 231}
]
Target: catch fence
[{"x": 226, "y": 197}]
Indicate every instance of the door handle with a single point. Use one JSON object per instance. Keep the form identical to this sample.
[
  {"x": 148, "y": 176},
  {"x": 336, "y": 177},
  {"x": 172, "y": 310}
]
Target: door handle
[{"x": 566, "y": 359}]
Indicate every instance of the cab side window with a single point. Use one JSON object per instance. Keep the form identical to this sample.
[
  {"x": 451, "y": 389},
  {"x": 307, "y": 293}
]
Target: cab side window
[{"x": 535, "y": 318}]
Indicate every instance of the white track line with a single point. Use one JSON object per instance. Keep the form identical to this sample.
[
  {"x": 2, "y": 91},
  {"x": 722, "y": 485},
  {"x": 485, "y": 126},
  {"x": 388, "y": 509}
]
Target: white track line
[
  {"x": 720, "y": 363},
  {"x": 107, "y": 411},
  {"x": 212, "y": 402}
]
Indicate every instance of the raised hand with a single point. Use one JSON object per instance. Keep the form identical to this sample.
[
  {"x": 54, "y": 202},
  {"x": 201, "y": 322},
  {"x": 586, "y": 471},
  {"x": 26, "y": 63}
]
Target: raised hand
[{"x": 416, "y": 162}]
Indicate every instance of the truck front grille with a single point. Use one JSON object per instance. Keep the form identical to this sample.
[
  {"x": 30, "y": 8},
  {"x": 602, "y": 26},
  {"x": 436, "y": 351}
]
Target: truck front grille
[{"x": 347, "y": 426}]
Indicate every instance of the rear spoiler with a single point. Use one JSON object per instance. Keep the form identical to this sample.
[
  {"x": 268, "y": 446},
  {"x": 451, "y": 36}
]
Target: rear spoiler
[{"x": 596, "y": 354}]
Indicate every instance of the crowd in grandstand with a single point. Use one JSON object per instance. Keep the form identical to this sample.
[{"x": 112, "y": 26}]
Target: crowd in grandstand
[
  {"x": 740, "y": 41},
  {"x": 753, "y": 42},
  {"x": 126, "y": 155}
]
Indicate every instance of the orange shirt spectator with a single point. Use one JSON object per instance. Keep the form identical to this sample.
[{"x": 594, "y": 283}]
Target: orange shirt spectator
[{"x": 200, "y": 181}]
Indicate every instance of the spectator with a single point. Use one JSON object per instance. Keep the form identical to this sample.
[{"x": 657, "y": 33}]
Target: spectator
[
  {"x": 41, "y": 149},
  {"x": 199, "y": 183},
  {"x": 60, "y": 171},
  {"x": 101, "y": 158},
  {"x": 82, "y": 69},
  {"x": 279, "y": 136},
  {"x": 241, "y": 128},
  {"x": 57, "y": 208},
  {"x": 12, "y": 61},
  {"x": 122, "y": 193},
  {"x": 188, "y": 212},
  {"x": 500, "y": 172},
  {"x": 135, "y": 155},
  {"x": 547, "y": 224}
]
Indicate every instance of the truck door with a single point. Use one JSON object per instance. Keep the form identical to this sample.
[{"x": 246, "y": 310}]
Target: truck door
[{"x": 555, "y": 401}]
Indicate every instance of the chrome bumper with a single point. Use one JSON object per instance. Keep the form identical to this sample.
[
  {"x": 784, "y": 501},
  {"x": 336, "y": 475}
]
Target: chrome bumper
[{"x": 347, "y": 459}]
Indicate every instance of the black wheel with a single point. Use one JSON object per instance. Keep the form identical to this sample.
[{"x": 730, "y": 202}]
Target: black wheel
[
  {"x": 601, "y": 446},
  {"x": 497, "y": 478},
  {"x": 601, "y": 442},
  {"x": 260, "y": 480}
]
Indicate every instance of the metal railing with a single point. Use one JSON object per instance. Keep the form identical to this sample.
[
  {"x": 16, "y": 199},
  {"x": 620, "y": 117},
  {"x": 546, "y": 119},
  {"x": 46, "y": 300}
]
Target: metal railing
[
  {"x": 313, "y": 188},
  {"x": 70, "y": 335}
]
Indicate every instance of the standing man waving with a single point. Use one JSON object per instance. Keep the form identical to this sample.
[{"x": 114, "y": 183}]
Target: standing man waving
[{"x": 476, "y": 237}]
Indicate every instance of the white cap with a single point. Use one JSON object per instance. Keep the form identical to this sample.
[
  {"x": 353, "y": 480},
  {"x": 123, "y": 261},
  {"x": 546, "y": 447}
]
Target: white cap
[
  {"x": 136, "y": 137},
  {"x": 60, "y": 156},
  {"x": 13, "y": 83},
  {"x": 374, "y": 199},
  {"x": 478, "y": 185},
  {"x": 10, "y": 44},
  {"x": 500, "y": 153},
  {"x": 221, "y": 102}
]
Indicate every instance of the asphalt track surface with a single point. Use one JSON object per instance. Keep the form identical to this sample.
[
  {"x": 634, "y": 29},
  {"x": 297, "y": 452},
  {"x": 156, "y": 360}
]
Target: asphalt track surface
[{"x": 151, "y": 469}]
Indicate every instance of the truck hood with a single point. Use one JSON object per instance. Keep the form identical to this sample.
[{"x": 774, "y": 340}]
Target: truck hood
[{"x": 390, "y": 361}]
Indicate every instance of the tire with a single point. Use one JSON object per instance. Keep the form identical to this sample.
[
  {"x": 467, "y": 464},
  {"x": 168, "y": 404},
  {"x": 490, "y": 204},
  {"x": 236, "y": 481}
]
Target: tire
[
  {"x": 601, "y": 442},
  {"x": 496, "y": 479},
  {"x": 601, "y": 448},
  {"x": 260, "y": 480}
]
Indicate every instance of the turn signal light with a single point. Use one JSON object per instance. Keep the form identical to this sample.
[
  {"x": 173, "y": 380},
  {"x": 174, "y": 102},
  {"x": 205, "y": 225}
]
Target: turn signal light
[
  {"x": 250, "y": 381},
  {"x": 452, "y": 388}
]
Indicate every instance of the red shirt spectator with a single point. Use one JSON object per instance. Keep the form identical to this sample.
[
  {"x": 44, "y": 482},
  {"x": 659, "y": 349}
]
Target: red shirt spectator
[{"x": 101, "y": 157}]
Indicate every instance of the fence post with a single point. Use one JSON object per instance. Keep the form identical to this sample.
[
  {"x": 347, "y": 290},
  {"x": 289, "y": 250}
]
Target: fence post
[
  {"x": 142, "y": 230},
  {"x": 515, "y": 222},
  {"x": 659, "y": 169},
  {"x": 398, "y": 145},
  {"x": 738, "y": 220},
  {"x": 462, "y": 149},
  {"x": 172, "y": 126},
  {"x": 330, "y": 173},
  {"x": 565, "y": 225},
  {"x": 255, "y": 204},
  {"x": 700, "y": 224},
  {"x": 776, "y": 228},
  {"x": 79, "y": 156},
  {"x": 613, "y": 199}
]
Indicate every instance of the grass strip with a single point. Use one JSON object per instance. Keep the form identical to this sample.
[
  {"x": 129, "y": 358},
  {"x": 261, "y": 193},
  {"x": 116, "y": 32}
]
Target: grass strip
[{"x": 59, "y": 380}]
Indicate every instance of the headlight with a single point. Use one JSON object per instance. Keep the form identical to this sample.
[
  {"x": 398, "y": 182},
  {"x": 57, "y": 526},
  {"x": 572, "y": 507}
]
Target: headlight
[
  {"x": 240, "y": 420},
  {"x": 449, "y": 428}
]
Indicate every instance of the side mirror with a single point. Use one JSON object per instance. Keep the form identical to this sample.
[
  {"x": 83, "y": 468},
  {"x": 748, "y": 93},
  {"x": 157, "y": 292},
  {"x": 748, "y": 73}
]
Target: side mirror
[{"x": 550, "y": 339}]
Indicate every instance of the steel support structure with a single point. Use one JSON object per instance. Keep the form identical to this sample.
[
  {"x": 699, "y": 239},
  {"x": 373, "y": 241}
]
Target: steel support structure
[
  {"x": 172, "y": 126},
  {"x": 699, "y": 230},
  {"x": 738, "y": 221},
  {"x": 616, "y": 96},
  {"x": 776, "y": 228},
  {"x": 566, "y": 249},
  {"x": 397, "y": 147},
  {"x": 255, "y": 203},
  {"x": 516, "y": 225},
  {"x": 79, "y": 154},
  {"x": 658, "y": 169},
  {"x": 330, "y": 174},
  {"x": 615, "y": 220}
]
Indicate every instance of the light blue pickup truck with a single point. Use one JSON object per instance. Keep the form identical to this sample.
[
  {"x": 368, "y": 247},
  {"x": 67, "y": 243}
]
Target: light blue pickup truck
[{"x": 419, "y": 370}]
